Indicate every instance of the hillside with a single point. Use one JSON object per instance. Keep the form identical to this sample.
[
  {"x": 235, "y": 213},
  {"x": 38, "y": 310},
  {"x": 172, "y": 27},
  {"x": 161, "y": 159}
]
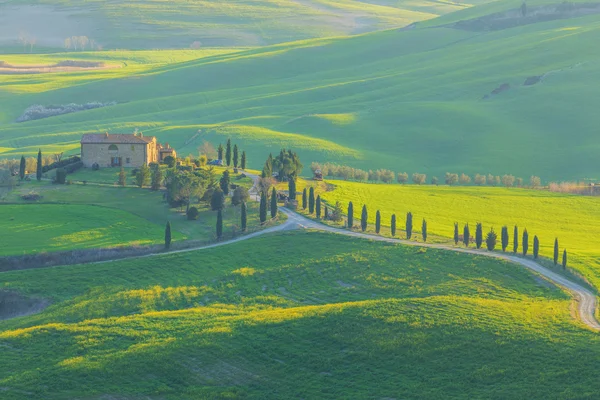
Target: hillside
[
  {"x": 431, "y": 100},
  {"x": 320, "y": 321},
  {"x": 144, "y": 24}
]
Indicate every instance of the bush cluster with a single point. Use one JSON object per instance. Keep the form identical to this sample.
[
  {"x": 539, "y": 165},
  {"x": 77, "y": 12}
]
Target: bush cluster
[
  {"x": 38, "y": 111},
  {"x": 62, "y": 164}
]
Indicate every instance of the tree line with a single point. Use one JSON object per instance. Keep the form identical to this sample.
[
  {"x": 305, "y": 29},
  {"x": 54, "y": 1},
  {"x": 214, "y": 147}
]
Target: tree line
[{"x": 386, "y": 176}]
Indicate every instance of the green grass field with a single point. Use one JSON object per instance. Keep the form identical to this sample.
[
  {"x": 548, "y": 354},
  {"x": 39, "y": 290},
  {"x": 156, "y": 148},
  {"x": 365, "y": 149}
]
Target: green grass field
[
  {"x": 98, "y": 216},
  {"x": 143, "y": 24},
  {"x": 332, "y": 317},
  {"x": 407, "y": 100},
  {"x": 574, "y": 220}
]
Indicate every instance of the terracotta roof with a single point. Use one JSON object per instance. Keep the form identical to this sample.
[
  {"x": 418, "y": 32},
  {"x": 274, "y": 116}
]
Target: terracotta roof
[{"x": 97, "y": 138}]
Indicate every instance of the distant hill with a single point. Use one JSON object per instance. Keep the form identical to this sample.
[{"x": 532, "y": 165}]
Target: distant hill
[
  {"x": 431, "y": 99},
  {"x": 144, "y": 24}
]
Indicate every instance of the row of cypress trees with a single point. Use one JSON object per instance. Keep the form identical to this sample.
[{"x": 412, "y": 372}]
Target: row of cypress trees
[
  {"x": 38, "y": 172},
  {"x": 505, "y": 239},
  {"x": 232, "y": 155}
]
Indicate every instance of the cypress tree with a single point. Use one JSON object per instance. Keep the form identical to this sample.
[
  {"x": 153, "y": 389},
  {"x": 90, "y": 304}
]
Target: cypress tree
[
  {"x": 479, "y": 235},
  {"x": 263, "y": 208},
  {"x": 235, "y": 156},
  {"x": 456, "y": 235},
  {"x": 318, "y": 207},
  {"x": 350, "y": 215},
  {"x": 424, "y": 230},
  {"x": 536, "y": 247},
  {"x": 311, "y": 200},
  {"x": 556, "y": 251},
  {"x": 38, "y": 172},
  {"x": 304, "y": 199},
  {"x": 409, "y": 225},
  {"x": 243, "y": 161},
  {"x": 326, "y": 213},
  {"x": 228, "y": 152},
  {"x": 219, "y": 224},
  {"x": 292, "y": 188},
  {"x": 504, "y": 238},
  {"x": 363, "y": 218},
  {"x": 168, "y": 236},
  {"x": 564, "y": 260},
  {"x": 393, "y": 225},
  {"x": 377, "y": 222},
  {"x": 466, "y": 235},
  {"x": 516, "y": 240},
  {"x": 220, "y": 152},
  {"x": 273, "y": 203},
  {"x": 22, "y": 168},
  {"x": 224, "y": 182},
  {"x": 525, "y": 242},
  {"x": 244, "y": 216}
]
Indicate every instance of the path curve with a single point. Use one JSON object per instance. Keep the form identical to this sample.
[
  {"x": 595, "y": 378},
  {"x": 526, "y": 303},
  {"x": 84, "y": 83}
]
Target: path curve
[{"x": 586, "y": 299}]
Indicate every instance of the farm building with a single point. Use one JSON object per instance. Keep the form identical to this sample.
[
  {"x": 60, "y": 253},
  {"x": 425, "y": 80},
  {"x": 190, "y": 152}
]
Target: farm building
[{"x": 122, "y": 150}]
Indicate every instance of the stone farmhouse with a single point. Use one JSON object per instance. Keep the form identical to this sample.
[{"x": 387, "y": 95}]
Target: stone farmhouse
[{"x": 122, "y": 150}]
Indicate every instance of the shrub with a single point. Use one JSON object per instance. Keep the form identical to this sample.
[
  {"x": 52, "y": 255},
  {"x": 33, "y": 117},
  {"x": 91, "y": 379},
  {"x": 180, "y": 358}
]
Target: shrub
[
  {"x": 480, "y": 180},
  {"x": 32, "y": 196},
  {"x": 451, "y": 179},
  {"x": 402, "y": 177},
  {"x": 464, "y": 179},
  {"x": 240, "y": 195},
  {"x": 491, "y": 239},
  {"x": 170, "y": 161},
  {"x": 419, "y": 179},
  {"x": 217, "y": 200},
  {"x": 60, "y": 164},
  {"x": 61, "y": 176},
  {"x": 192, "y": 213},
  {"x": 95, "y": 167}
]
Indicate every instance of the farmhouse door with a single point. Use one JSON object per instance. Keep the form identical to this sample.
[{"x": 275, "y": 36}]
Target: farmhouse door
[{"x": 116, "y": 161}]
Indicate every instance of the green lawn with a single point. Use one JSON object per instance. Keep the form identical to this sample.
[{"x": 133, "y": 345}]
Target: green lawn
[
  {"x": 94, "y": 216},
  {"x": 331, "y": 317},
  {"x": 33, "y": 228},
  {"x": 574, "y": 220}
]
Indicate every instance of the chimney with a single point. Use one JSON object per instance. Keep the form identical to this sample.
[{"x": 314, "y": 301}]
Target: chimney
[
  {"x": 167, "y": 145},
  {"x": 106, "y": 135}
]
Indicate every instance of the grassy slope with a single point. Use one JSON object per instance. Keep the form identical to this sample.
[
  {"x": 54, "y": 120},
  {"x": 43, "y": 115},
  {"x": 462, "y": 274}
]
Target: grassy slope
[
  {"x": 405, "y": 100},
  {"x": 143, "y": 24},
  {"x": 318, "y": 321},
  {"x": 91, "y": 216},
  {"x": 575, "y": 220}
]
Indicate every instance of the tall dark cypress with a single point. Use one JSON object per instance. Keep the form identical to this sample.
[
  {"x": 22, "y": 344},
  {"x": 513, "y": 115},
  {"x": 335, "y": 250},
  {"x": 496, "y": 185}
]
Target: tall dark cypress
[
  {"x": 456, "y": 234},
  {"x": 244, "y": 216},
  {"x": 516, "y": 240},
  {"x": 564, "y": 260},
  {"x": 479, "y": 235},
  {"x": 318, "y": 207},
  {"x": 243, "y": 161},
  {"x": 236, "y": 156},
  {"x": 378, "y": 222},
  {"x": 292, "y": 188},
  {"x": 525, "y": 242},
  {"x": 168, "y": 236},
  {"x": 304, "y": 199},
  {"x": 22, "y": 167},
  {"x": 228, "y": 152},
  {"x": 424, "y": 230},
  {"x": 326, "y": 213},
  {"x": 220, "y": 152},
  {"x": 311, "y": 200},
  {"x": 363, "y": 218},
  {"x": 536, "y": 247},
  {"x": 466, "y": 235},
  {"x": 350, "y": 215},
  {"x": 409, "y": 225},
  {"x": 219, "y": 224},
  {"x": 556, "y": 251},
  {"x": 263, "y": 207},
  {"x": 273, "y": 203},
  {"x": 393, "y": 225},
  {"x": 38, "y": 173},
  {"x": 504, "y": 238}
]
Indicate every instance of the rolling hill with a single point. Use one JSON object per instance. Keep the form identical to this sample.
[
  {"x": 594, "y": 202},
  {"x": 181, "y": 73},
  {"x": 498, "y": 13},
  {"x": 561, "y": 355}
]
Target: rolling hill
[
  {"x": 333, "y": 317},
  {"x": 428, "y": 99},
  {"x": 144, "y": 24}
]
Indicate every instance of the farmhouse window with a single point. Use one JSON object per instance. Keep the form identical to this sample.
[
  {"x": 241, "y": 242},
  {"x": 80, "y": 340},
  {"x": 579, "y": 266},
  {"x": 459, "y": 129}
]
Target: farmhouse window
[{"x": 127, "y": 160}]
